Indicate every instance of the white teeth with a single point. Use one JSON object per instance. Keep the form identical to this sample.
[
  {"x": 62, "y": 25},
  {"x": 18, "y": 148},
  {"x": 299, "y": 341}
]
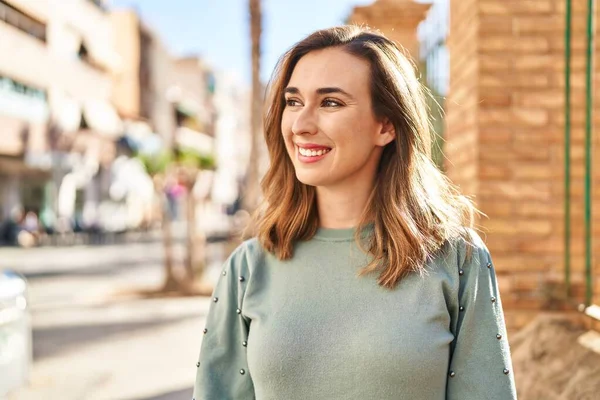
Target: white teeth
[{"x": 312, "y": 153}]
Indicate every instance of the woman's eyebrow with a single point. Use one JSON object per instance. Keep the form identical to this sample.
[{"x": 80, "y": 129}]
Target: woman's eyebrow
[
  {"x": 320, "y": 91},
  {"x": 329, "y": 90}
]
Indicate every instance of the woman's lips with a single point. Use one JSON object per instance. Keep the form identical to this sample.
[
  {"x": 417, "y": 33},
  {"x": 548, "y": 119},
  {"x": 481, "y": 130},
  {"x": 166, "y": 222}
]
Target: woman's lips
[{"x": 311, "y": 154}]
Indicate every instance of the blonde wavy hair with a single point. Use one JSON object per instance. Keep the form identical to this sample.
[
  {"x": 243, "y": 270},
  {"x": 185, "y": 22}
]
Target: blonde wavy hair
[{"x": 413, "y": 208}]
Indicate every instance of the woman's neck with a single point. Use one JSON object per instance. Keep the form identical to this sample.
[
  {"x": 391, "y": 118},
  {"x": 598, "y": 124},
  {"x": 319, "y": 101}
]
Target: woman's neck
[{"x": 339, "y": 209}]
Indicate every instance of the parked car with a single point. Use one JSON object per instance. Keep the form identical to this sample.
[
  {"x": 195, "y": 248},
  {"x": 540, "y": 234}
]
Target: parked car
[{"x": 15, "y": 332}]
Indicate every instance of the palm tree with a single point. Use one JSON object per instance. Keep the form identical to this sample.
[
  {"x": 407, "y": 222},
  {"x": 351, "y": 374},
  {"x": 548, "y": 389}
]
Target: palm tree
[
  {"x": 252, "y": 178},
  {"x": 183, "y": 166}
]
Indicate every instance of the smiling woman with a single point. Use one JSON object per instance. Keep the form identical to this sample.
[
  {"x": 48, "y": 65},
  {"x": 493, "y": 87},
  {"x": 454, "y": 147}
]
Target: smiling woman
[{"x": 366, "y": 280}]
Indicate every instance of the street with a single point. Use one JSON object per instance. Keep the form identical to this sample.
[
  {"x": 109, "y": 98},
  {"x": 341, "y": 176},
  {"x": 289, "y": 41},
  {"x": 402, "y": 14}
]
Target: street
[{"x": 93, "y": 339}]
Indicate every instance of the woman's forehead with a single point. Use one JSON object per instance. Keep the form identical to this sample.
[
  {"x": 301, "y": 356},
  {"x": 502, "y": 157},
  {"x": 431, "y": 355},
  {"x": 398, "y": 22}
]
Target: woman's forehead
[{"x": 332, "y": 67}]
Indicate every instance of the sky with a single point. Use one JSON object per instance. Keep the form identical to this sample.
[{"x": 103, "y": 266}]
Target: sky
[{"x": 219, "y": 30}]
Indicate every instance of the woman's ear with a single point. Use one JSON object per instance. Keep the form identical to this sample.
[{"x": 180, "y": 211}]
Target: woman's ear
[{"x": 387, "y": 133}]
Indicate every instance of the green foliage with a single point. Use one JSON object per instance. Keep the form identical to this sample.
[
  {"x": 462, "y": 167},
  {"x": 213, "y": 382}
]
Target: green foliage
[
  {"x": 159, "y": 163},
  {"x": 156, "y": 163},
  {"x": 191, "y": 158}
]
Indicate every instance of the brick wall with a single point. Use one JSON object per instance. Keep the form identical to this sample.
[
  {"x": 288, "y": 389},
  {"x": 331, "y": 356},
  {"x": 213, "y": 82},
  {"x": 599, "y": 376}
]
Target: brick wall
[
  {"x": 461, "y": 134},
  {"x": 505, "y": 137},
  {"x": 505, "y": 140}
]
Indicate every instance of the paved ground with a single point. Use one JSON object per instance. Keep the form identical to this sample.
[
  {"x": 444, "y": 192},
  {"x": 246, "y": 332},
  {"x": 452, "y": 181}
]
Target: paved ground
[{"x": 89, "y": 343}]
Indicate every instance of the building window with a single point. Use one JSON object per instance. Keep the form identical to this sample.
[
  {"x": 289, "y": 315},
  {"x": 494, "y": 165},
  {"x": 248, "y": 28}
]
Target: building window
[
  {"x": 12, "y": 86},
  {"x": 99, "y": 4},
  {"x": 22, "y": 21}
]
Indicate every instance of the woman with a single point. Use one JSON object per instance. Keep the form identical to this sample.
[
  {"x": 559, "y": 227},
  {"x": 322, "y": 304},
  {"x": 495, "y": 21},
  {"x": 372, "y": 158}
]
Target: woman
[{"x": 366, "y": 280}]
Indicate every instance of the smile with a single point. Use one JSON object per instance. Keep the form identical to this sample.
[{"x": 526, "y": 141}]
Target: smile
[{"x": 312, "y": 154}]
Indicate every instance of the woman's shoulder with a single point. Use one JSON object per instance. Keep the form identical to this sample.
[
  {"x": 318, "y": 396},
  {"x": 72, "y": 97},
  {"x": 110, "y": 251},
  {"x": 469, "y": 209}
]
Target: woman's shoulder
[
  {"x": 460, "y": 249},
  {"x": 247, "y": 254}
]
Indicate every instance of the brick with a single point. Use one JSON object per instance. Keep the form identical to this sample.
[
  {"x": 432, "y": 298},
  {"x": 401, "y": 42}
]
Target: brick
[
  {"x": 521, "y": 263},
  {"x": 495, "y": 99},
  {"x": 495, "y": 116},
  {"x": 534, "y": 227},
  {"x": 530, "y": 153},
  {"x": 499, "y": 245},
  {"x": 511, "y": 80},
  {"x": 538, "y": 136},
  {"x": 530, "y": 116},
  {"x": 516, "y": 191},
  {"x": 532, "y": 44},
  {"x": 503, "y": 44},
  {"x": 495, "y": 134},
  {"x": 549, "y": 245},
  {"x": 496, "y": 209},
  {"x": 539, "y": 24},
  {"x": 498, "y": 153},
  {"x": 550, "y": 99},
  {"x": 539, "y": 209},
  {"x": 535, "y": 62},
  {"x": 495, "y": 24},
  {"x": 512, "y": 7},
  {"x": 531, "y": 171},
  {"x": 495, "y": 62},
  {"x": 490, "y": 171}
]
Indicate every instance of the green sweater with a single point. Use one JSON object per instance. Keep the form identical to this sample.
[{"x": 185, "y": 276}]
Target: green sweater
[{"x": 310, "y": 329}]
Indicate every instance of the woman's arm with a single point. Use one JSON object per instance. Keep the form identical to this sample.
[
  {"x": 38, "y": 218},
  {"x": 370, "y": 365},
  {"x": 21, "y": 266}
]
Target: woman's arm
[
  {"x": 480, "y": 364},
  {"x": 222, "y": 368}
]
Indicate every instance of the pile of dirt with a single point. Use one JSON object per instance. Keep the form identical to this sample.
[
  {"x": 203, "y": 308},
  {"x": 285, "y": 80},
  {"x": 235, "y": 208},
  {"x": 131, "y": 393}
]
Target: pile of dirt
[{"x": 550, "y": 364}]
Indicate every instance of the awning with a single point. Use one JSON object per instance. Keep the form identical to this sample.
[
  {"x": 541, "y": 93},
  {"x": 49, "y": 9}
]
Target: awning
[
  {"x": 194, "y": 140},
  {"x": 102, "y": 117}
]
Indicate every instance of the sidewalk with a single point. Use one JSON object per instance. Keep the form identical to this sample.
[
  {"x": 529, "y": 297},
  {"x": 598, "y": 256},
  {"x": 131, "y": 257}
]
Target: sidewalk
[
  {"x": 91, "y": 343},
  {"x": 145, "y": 349}
]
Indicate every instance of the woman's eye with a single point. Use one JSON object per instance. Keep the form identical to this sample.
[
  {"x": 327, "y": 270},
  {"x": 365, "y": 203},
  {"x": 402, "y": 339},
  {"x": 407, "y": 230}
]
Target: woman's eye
[
  {"x": 331, "y": 103},
  {"x": 291, "y": 102}
]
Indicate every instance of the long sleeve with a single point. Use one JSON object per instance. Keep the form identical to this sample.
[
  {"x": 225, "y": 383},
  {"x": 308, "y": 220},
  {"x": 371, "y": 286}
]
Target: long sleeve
[
  {"x": 222, "y": 368},
  {"x": 480, "y": 364}
]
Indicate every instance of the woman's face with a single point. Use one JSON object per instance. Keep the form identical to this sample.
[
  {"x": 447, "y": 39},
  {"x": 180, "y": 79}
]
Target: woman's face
[{"x": 331, "y": 133}]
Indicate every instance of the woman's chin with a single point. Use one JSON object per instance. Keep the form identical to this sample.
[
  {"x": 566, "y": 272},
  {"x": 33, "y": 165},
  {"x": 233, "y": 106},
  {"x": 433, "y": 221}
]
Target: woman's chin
[{"x": 310, "y": 178}]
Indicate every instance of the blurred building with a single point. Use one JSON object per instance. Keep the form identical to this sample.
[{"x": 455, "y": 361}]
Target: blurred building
[
  {"x": 142, "y": 82},
  {"x": 191, "y": 92},
  {"x": 164, "y": 99},
  {"x": 59, "y": 126},
  {"x": 232, "y": 146},
  {"x": 140, "y": 95}
]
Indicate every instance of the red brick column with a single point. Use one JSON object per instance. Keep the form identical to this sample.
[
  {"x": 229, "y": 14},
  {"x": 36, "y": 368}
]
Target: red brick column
[
  {"x": 505, "y": 141},
  {"x": 397, "y": 19}
]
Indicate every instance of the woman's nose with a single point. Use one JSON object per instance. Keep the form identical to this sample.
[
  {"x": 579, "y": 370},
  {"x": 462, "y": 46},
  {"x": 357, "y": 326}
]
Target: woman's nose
[{"x": 305, "y": 123}]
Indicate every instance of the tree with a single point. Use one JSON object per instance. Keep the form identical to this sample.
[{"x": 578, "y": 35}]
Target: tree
[
  {"x": 182, "y": 166},
  {"x": 252, "y": 178}
]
